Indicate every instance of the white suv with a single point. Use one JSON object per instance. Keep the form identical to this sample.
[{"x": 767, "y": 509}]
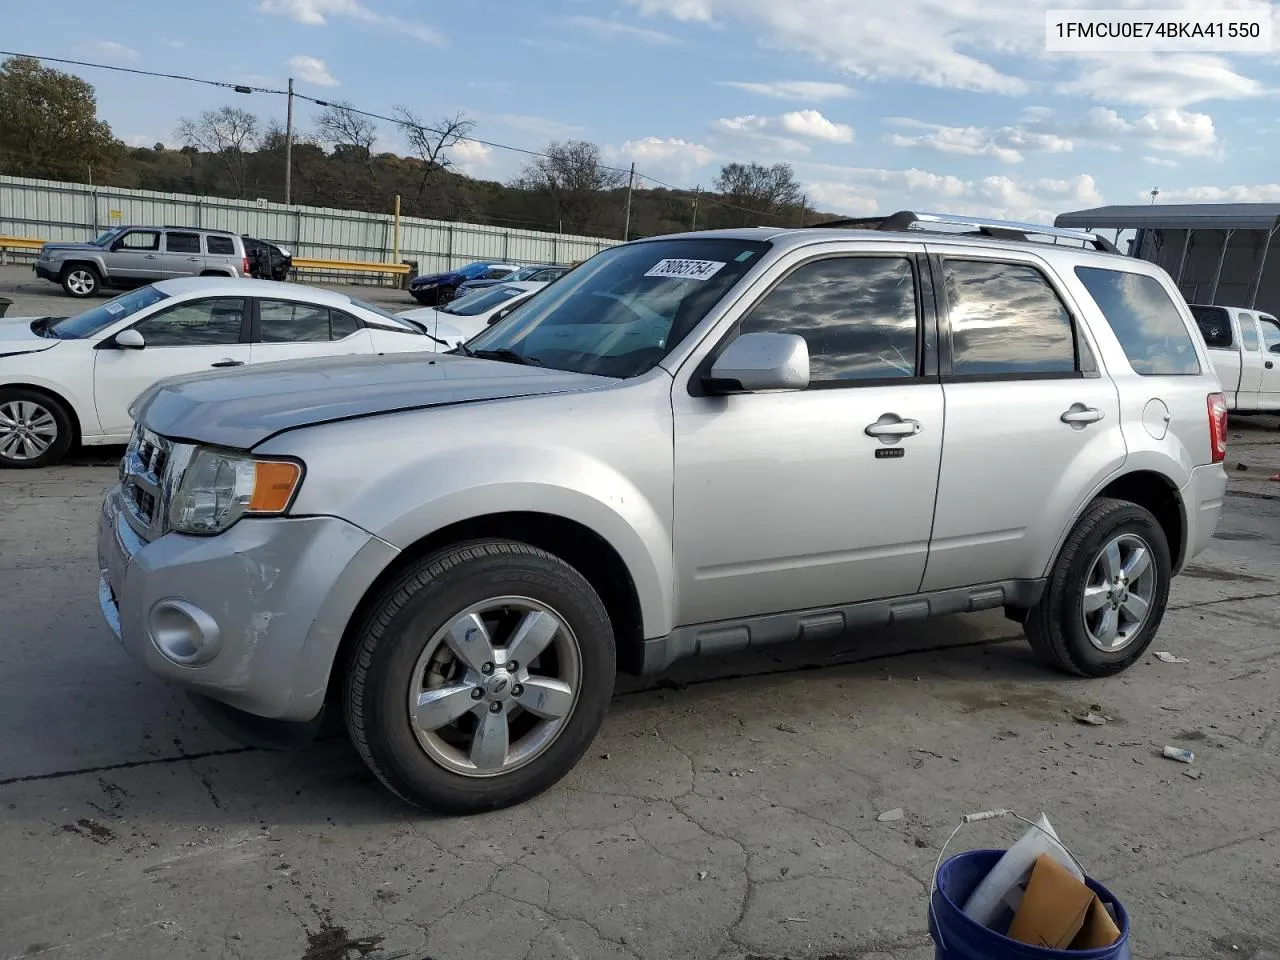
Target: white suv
[{"x": 687, "y": 446}]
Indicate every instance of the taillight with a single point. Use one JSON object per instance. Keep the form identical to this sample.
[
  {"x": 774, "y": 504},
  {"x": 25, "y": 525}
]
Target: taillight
[
  {"x": 244, "y": 265},
  {"x": 1218, "y": 426}
]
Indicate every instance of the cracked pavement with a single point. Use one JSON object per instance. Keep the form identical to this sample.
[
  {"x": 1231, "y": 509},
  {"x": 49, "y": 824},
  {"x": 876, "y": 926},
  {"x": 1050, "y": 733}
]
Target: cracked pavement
[{"x": 727, "y": 812}]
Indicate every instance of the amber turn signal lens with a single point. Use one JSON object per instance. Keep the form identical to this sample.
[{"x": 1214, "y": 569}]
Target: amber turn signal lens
[{"x": 274, "y": 483}]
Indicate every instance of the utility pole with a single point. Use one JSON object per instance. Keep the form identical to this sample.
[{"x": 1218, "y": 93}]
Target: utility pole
[
  {"x": 1155, "y": 192},
  {"x": 288, "y": 148},
  {"x": 697, "y": 191},
  {"x": 804, "y": 210},
  {"x": 626, "y": 230}
]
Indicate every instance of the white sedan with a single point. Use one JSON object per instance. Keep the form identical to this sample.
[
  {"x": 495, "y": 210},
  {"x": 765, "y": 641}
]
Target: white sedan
[
  {"x": 73, "y": 378},
  {"x": 465, "y": 317}
]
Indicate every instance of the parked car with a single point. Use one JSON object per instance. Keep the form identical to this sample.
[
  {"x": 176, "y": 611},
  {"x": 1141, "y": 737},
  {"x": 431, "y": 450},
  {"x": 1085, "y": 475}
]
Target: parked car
[
  {"x": 437, "y": 289},
  {"x": 133, "y": 256},
  {"x": 468, "y": 315},
  {"x": 267, "y": 261},
  {"x": 538, "y": 273},
  {"x": 702, "y": 444},
  {"x": 68, "y": 379},
  {"x": 1244, "y": 346}
]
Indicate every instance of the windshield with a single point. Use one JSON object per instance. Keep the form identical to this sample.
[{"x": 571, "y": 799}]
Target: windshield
[
  {"x": 524, "y": 273},
  {"x": 104, "y": 315},
  {"x": 625, "y": 309},
  {"x": 481, "y": 300},
  {"x": 374, "y": 308},
  {"x": 105, "y": 237},
  {"x": 472, "y": 270}
]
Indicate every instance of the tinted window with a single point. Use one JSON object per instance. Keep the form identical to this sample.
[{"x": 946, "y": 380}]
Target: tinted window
[
  {"x": 342, "y": 325},
  {"x": 182, "y": 242},
  {"x": 1215, "y": 326},
  {"x": 200, "y": 323},
  {"x": 1144, "y": 320},
  {"x": 1248, "y": 335},
  {"x": 221, "y": 246},
  {"x": 1006, "y": 319},
  {"x": 496, "y": 273},
  {"x": 105, "y": 314},
  {"x": 140, "y": 240},
  {"x": 1270, "y": 334},
  {"x": 478, "y": 301},
  {"x": 281, "y": 321},
  {"x": 857, "y": 314}
]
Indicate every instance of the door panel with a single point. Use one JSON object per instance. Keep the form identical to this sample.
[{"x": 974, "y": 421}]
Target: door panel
[
  {"x": 136, "y": 256},
  {"x": 1269, "y": 386},
  {"x": 181, "y": 256},
  {"x": 188, "y": 338}
]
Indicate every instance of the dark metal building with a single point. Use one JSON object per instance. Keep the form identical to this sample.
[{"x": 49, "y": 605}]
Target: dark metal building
[{"x": 1219, "y": 253}]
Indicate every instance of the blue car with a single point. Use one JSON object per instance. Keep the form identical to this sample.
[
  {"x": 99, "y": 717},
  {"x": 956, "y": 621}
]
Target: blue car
[
  {"x": 535, "y": 273},
  {"x": 435, "y": 289}
]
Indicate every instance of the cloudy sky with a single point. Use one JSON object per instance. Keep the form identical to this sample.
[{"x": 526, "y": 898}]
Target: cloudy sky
[{"x": 932, "y": 104}]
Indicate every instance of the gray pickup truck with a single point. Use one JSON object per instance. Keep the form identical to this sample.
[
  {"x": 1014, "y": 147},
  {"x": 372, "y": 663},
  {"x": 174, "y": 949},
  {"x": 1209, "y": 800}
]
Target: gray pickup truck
[
  {"x": 687, "y": 446},
  {"x": 134, "y": 256}
]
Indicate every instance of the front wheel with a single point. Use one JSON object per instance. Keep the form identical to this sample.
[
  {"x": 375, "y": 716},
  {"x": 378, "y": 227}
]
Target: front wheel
[
  {"x": 80, "y": 280},
  {"x": 480, "y": 676},
  {"x": 35, "y": 430},
  {"x": 1106, "y": 594}
]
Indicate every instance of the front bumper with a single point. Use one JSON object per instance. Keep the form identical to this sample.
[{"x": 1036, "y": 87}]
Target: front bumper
[
  {"x": 46, "y": 271},
  {"x": 1202, "y": 499},
  {"x": 270, "y": 598}
]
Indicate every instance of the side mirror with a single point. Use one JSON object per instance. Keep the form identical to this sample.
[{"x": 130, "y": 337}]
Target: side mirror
[
  {"x": 130, "y": 340},
  {"x": 761, "y": 361}
]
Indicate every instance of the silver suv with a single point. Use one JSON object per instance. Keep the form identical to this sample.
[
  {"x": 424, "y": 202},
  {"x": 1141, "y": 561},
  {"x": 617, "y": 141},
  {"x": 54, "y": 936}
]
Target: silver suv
[
  {"x": 688, "y": 446},
  {"x": 133, "y": 256}
]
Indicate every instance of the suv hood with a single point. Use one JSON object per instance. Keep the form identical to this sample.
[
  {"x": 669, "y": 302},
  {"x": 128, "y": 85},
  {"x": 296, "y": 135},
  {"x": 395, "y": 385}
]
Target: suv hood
[
  {"x": 243, "y": 407},
  {"x": 16, "y": 336},
  {"x": 56, "y": 247}
]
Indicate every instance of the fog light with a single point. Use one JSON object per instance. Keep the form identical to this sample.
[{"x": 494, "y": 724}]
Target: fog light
[{"x": 184, "y": 633}]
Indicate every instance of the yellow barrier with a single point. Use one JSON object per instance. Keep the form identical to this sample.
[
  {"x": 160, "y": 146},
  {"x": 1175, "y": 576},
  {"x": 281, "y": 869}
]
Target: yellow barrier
[
  {"x": 20, "y": 243},
  {"x": 349, "y": 266}
]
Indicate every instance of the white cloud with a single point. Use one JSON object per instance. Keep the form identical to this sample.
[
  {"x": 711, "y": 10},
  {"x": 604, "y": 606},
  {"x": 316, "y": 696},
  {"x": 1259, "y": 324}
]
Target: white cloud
[
  {"x": 668, "y": 158},
  {"x": 317, "y": 13},
  {"x": 846, "y": 199},
  {"x": 1167, "y": 129},
  {"x": 1258, "y": 193},
  {"x": 813, "y": 91},
  {"x": 814, "y": 126},
  {"x": 312, "y": 70},
  {"x": 539, "y": 126},
  {"x": 115, "y": 51},
  {"x": 1161, "y": 162},
  {"x": 1166, "y": 81},
  {"x": 175, "y": 44},
  {"x": 1006, "y": 144},
  {"x": 686, "y": 10},
  {"x": 472, "y": 158},
  {"x": 614, "y": 29}
]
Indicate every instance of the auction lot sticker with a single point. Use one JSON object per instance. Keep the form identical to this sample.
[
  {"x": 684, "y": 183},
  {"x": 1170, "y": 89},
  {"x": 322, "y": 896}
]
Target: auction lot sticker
[
  {"x": 686, "y": 269},
  {"x": 1137, "y": 31}
]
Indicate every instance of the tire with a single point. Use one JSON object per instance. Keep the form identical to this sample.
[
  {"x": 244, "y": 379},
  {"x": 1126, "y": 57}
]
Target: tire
[
  {"x": 36, "y": 430},
  {"x": 1080, "y": 643},
  {"x": 402, "y": 653},
  {"x": 80, "y": 280}
]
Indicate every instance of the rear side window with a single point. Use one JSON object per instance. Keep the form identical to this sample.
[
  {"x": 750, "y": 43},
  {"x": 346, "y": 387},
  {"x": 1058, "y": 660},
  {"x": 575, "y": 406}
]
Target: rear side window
[
  {"x": 283, "y": 321},
  {"x": 182, "y": 242},
  {"x": 1215, "y": 326},
  {"x": 1249, "y": 333},
  {"x": 341, "y": 324},
  {"x": 221, "y": 246},
  {"x": 1145, "y": 321},
  {"x": 1006, "y": 320}
]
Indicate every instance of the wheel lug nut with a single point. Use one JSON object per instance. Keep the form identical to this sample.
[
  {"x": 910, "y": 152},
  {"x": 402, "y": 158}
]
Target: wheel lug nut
[
  {"x": 487, "y": 668},
  {"x": 477, "y": 693},
  {"x": 512, "y": 667},
  {"x": 517, "y": 690},
  {"x": 495, "y": 707}
]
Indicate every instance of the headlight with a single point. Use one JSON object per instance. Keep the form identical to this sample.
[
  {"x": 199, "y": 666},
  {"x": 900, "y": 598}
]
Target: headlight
[{"x": 218, "y": 488}]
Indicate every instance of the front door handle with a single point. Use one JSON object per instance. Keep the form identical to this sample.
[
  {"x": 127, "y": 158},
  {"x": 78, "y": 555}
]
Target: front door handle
[
  {"x": 228, "y": 363},
  {"x": 1080, "y": 416},
  {"x": 149, "y": 256},
  {"x": 1269, "y": 365},
  {"x": 891, "y": 427},
  {"x": 194, "y": 259}
]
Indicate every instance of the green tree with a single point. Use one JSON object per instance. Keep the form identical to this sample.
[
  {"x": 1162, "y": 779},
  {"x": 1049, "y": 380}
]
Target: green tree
[
  {"x": 770, "y": 191},
  {"x": 49, "y": 126}
]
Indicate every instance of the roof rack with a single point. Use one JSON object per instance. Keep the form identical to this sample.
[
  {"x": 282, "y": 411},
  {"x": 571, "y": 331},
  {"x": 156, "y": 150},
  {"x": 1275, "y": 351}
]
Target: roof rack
[
  {"x": 905, "y": 220},
  {"x": 170, "y": 226}
]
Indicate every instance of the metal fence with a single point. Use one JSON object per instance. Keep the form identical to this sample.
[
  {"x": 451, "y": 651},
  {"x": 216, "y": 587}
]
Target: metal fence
[{"x": 73, "y": 211}]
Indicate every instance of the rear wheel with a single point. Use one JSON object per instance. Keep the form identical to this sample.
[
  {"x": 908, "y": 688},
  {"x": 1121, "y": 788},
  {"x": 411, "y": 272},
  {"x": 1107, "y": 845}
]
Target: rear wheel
[
  {"x": 35, "y": 429},
  {"x": 80, "y": 280},
  {"x": 1107, "y": 592},
  {"x": 480, "y": 676}
]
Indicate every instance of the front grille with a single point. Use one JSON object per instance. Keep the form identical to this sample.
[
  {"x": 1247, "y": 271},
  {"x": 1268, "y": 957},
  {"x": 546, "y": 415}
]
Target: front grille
[{"x": 142, "y": 480}]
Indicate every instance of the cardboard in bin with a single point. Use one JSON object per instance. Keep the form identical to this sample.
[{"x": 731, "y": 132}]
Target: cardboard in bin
[{"x": 1059, "y": 912}]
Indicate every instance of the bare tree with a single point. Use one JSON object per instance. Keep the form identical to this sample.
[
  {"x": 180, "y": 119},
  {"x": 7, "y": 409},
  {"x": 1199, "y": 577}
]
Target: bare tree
[
  {"x": 228, "y": 133},
  {"x": 574, "y": 178},
  {"x": 762, "y": 190},
  {"x": 341, "y": 125},
  {"x": 431, "y": 142}
]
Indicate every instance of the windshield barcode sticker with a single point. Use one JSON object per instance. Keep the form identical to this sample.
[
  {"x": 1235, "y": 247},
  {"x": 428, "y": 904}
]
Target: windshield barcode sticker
[
  {"x": 685, "y": 269},
  {"x": 114, "y": 308}
]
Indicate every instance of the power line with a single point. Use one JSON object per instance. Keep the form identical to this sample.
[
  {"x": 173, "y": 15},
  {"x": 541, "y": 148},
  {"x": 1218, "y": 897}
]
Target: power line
[{"x": 398, "y": 121}]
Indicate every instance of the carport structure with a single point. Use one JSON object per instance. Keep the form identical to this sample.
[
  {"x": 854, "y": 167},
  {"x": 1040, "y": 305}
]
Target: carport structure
[{"x": 1219, "y": 253}]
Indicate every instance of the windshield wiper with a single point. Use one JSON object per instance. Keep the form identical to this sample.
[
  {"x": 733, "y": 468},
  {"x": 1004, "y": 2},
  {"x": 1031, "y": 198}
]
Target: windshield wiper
[{"x": 505, "y": 355}]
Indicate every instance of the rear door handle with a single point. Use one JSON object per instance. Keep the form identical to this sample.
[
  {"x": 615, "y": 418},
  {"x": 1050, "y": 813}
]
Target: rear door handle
[
  {"x": 1080, "y": 416},
  {"x": 149, "y": 256},
  {"x": 195, "y": 259},
  {"x": 228, "y": 363},
  {"x": 890, "y": 427}
]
